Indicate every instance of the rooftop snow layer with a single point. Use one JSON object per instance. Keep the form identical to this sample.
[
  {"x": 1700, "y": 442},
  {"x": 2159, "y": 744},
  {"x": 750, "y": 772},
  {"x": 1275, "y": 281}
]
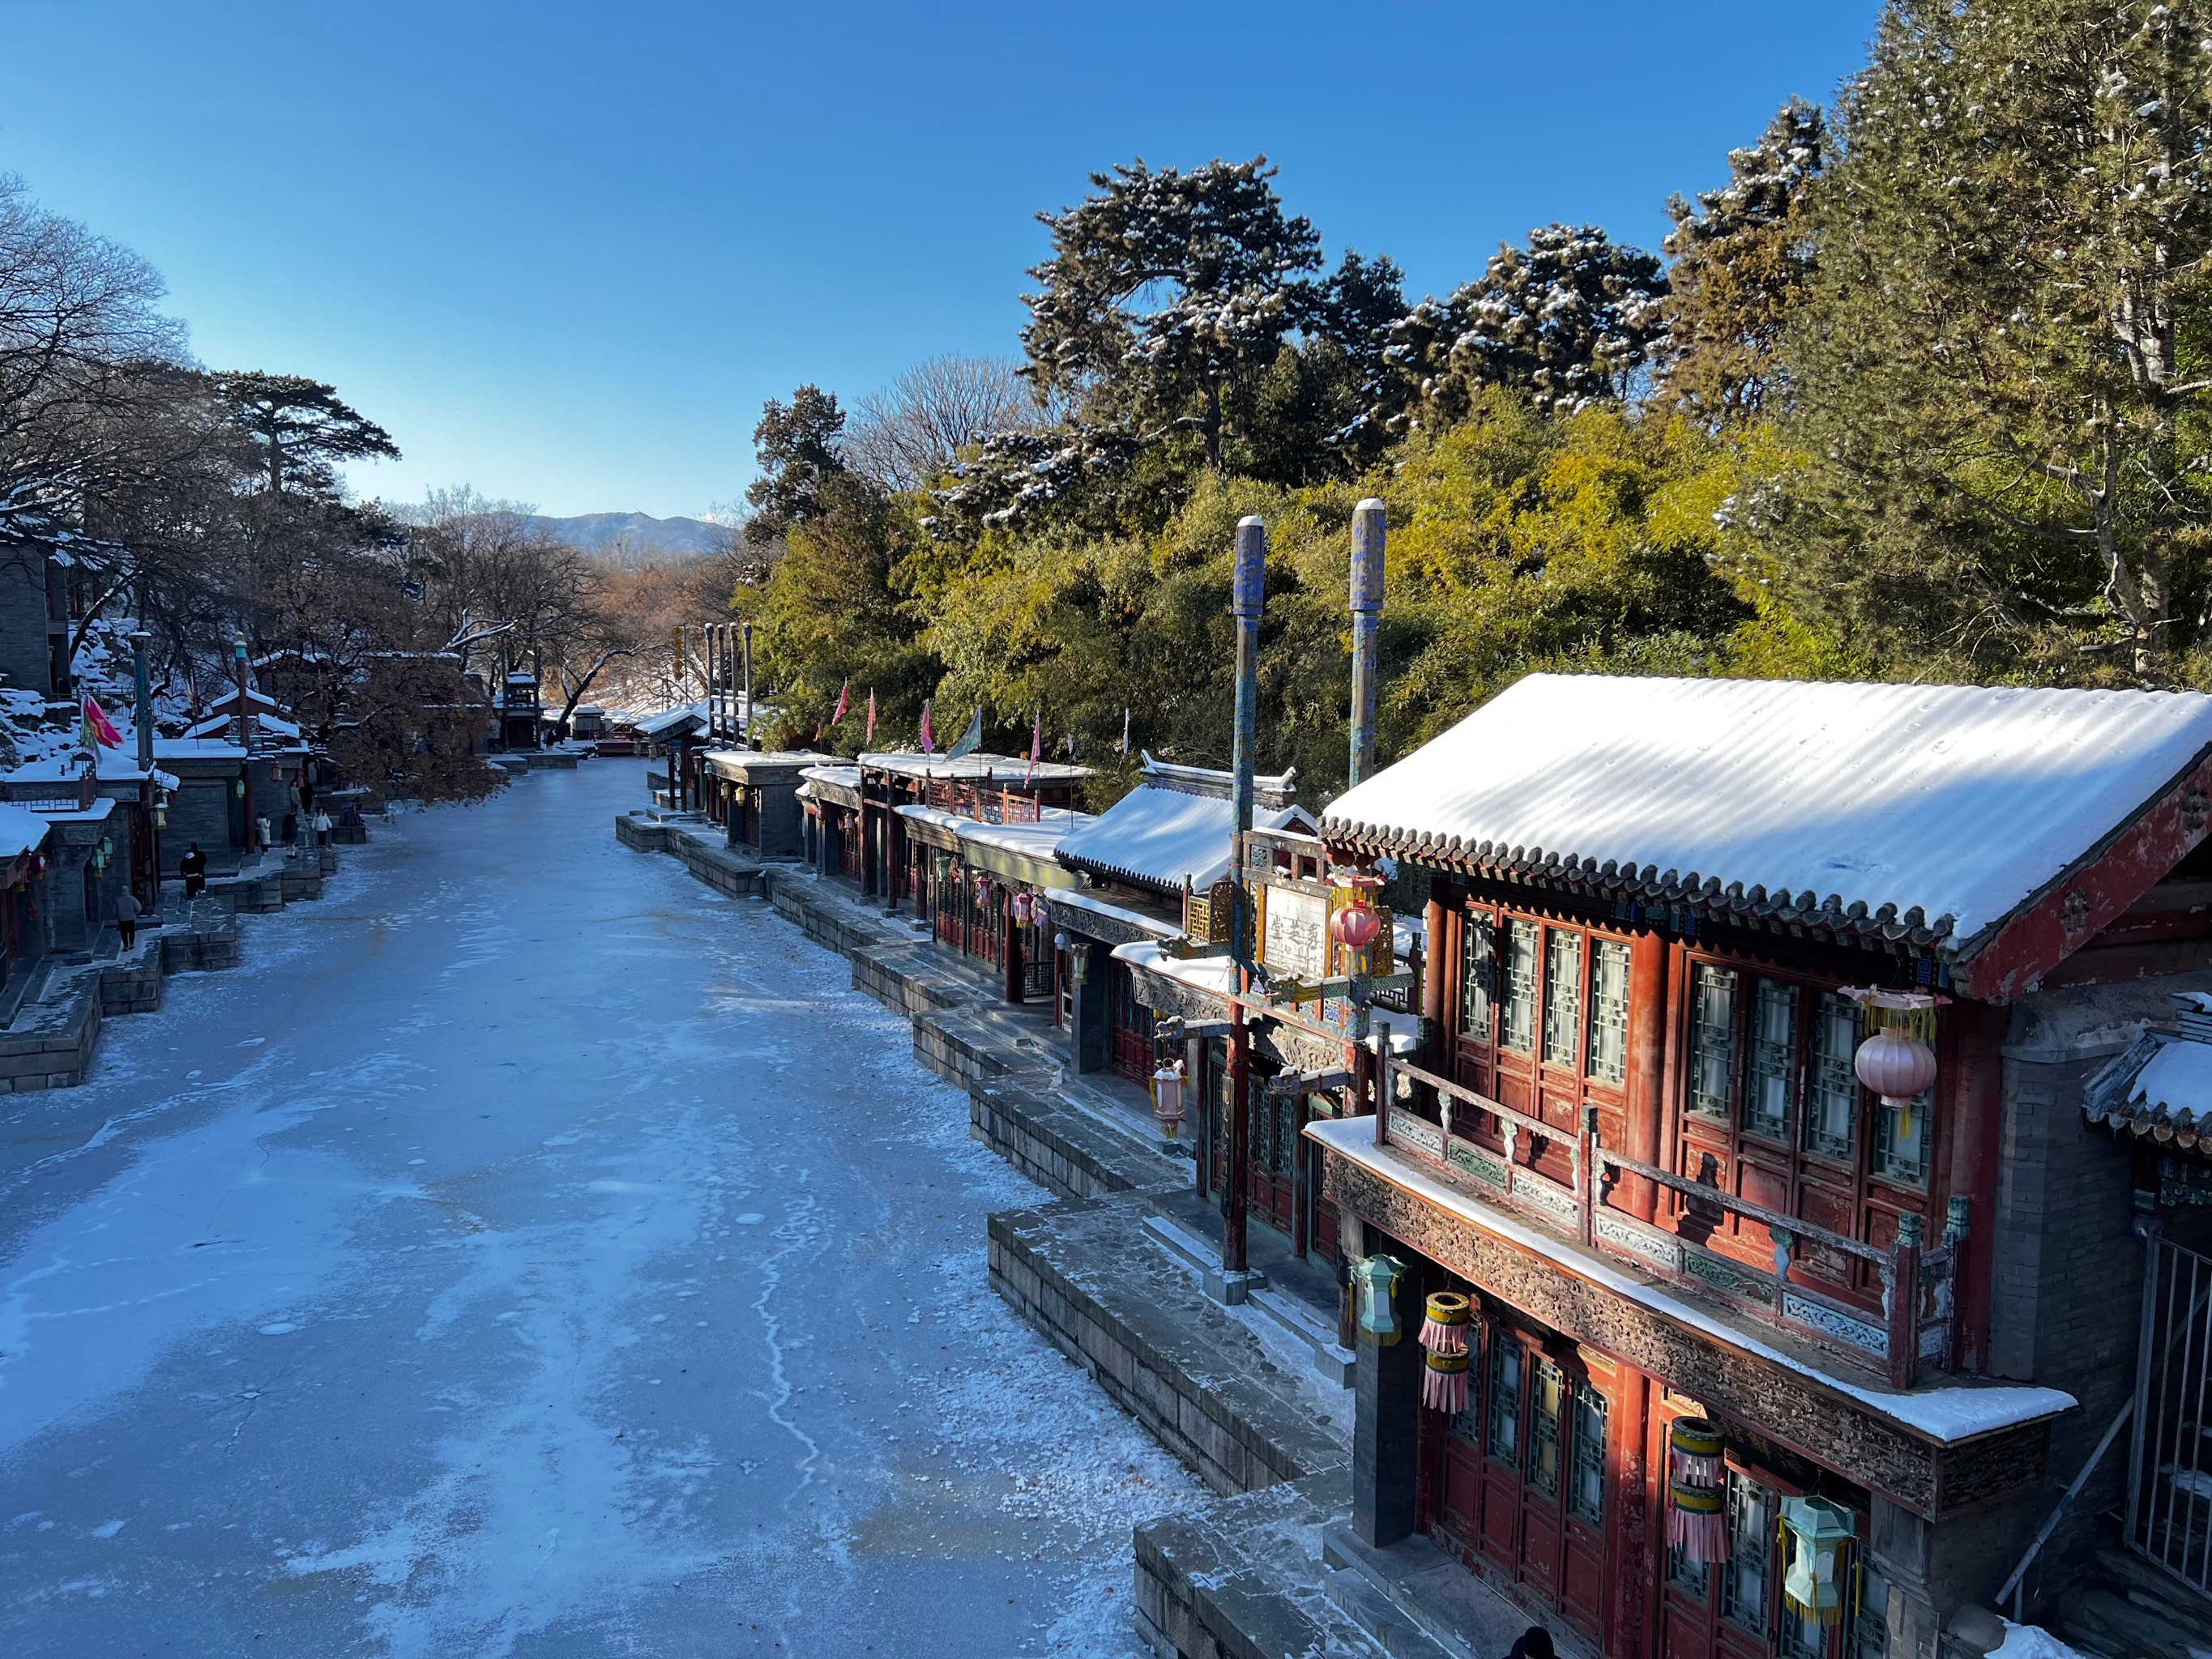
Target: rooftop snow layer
[
  {"x": 972, "y": 768},
  {"x": 1160, "y": 838},
  {"x": 20, "y": 831},
  {"x": 1962, "y": 801}
]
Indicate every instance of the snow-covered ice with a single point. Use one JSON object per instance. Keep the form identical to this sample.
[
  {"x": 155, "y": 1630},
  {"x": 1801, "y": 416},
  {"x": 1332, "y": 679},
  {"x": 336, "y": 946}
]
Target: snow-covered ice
[{"x": 530, "y": 1252}]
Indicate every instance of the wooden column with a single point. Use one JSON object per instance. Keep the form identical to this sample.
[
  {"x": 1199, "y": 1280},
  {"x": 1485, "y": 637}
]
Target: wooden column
[
  {"x": 1647, "y": 1068},
  {"x": 1971, "y": 1040},
  {"x": 1011, "y": 955}
]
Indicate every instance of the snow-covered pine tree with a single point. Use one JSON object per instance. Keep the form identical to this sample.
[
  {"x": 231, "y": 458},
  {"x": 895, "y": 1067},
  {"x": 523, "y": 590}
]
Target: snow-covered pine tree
[
  {"x": 1740, "y": 257},
  {"x": 1163, "y": 287},
  {"x": 1570, "y": 321},
  {"x": 2002, "y": 375}
]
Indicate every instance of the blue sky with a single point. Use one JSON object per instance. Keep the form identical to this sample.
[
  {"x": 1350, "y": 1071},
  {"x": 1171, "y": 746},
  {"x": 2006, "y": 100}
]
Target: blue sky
[{"x": 564, "y": 252}]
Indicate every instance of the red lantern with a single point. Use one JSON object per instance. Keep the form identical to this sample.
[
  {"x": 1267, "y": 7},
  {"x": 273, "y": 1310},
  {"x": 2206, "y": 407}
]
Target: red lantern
[
  {"x": 1021, "y": 909},
  {"x": 1356, "y": 926}
]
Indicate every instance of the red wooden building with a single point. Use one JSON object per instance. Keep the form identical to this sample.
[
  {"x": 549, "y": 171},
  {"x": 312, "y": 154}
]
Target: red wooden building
[{"x": 1634, "y": 1138}]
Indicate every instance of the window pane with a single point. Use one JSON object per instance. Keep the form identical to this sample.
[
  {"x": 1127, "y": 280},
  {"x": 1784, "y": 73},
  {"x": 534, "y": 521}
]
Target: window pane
[
  {"x": 1712, "y": 1039},
  {"x": 1474, "y": 978},
  {"x": 1900, "y": 1139},
  {"x": 1687, "y": 1575},
  {"x": 1871, "y": 1629},
  {"x": 1563, "y": 996},
  {"x": 1467, "y": 1425},
  {"x": 1517, "y": 1015},
  {"x": 1771, "y": 1059},
  {"x": 1751, "y": 1552},
  {"x": 1544, "y": 1429},
  {"x": 1587, "y": 1496},
  {"x": 1608, "y": 1015},
  {"x": 1832, "y": 1099},
  {"x": 1505, "y": 1399}
]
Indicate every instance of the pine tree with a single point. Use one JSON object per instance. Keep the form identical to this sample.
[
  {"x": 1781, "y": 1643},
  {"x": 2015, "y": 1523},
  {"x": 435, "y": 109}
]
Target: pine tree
[
  {"x": 1163, "y": 288},
  {"x": 1741, "y": 259},
  {"x": 800, "y": 448},
  {"x": 1569, "y": 321},
  {"x": 2002, "y": 374}
]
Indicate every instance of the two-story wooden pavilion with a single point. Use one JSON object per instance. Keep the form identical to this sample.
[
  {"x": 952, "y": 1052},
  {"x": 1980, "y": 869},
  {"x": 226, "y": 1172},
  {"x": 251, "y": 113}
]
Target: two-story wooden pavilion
[{"x": 1635, "y": 1140}]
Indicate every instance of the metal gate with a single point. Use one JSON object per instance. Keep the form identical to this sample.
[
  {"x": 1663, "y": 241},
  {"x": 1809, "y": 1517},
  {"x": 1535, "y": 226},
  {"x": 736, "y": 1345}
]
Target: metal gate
[{"x": 2169, "y": 1517}]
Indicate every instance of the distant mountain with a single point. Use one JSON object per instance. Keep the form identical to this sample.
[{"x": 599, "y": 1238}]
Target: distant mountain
[{"x": 639, "y": 533}]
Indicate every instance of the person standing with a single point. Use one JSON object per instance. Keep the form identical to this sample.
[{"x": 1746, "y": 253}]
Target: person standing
[
  {"x": 322, "y": 828},
  {"x": 126, "y": 918},
  {"x": 193, "y": 868},
  {"x": 1536, "y": 1642}
]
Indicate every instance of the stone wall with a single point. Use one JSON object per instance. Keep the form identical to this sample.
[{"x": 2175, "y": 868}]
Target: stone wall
[{"x": 26, "y": 656}]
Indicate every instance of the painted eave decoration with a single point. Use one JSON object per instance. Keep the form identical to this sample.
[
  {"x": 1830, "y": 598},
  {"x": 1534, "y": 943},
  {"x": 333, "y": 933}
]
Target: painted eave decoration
[{"x": 1995, "y": 828}]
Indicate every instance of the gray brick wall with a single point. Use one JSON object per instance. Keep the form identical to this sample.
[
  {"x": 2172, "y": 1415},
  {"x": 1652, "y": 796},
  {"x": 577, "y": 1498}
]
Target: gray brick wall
[
  {"x": 2067, "y": 1271},
  {"x": 25, "y": 663}
]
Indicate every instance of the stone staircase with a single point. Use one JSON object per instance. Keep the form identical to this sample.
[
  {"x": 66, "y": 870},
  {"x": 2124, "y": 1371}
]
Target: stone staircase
[{"x": 2126, "y": 1608}]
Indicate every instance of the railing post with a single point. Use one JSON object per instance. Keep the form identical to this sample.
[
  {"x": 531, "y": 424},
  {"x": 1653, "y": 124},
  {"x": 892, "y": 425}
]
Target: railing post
[
  {"x": 1955, "y": 1215},
  {"x": 1900, "y": 1303}
]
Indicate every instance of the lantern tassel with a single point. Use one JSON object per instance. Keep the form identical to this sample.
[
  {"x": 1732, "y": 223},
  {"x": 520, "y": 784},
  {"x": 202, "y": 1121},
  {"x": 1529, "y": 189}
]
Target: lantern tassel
[{"x": 1443, "y": 1383}]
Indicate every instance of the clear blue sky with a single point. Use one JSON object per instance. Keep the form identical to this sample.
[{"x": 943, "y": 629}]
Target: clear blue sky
[{"x": 564, "y": 251}]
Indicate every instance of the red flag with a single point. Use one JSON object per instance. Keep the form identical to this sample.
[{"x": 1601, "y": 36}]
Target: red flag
[
  {"x": 844, "y": 695},
  {"x": 869, "y": 737},
  {"x": 102, "y": 727}
]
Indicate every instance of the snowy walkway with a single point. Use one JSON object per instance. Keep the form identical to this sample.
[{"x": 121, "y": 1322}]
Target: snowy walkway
[{"x": 529, "y": 1252}]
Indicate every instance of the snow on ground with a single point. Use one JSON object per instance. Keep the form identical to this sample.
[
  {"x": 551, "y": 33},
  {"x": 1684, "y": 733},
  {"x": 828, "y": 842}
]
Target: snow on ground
[{"x": 530, "y": 1252}]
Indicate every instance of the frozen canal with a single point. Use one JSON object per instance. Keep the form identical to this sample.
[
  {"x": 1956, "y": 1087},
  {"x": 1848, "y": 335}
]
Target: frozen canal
[{"x": 530, "y": 1252}]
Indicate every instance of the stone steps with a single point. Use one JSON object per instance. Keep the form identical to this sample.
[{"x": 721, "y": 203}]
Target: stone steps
[{"x": 2127, "y": 1608}]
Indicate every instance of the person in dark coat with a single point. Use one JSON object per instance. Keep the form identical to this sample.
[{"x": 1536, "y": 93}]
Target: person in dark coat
[
  {"x": 193, "y": 868},
  {"x": 1536, "y": 1642}
]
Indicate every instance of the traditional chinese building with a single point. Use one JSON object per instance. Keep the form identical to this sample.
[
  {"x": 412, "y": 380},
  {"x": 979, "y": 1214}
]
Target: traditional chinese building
[{"x": 1711, "y": 1273}]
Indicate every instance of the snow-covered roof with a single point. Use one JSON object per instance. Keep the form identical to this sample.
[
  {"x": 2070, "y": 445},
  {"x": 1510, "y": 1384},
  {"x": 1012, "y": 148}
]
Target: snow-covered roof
[
  {"x": 215, "y": 724},
  {"x": 20, "y": 831},
  {"x": 1160, "y": 838},
  {"x": 693, "y": 715},
  {"x": 973, "y": 768},
  {"x": 1931, "y": 812},
  {"x": 1133, "y": 921},
  {"x": 2162, "y": 1087}
]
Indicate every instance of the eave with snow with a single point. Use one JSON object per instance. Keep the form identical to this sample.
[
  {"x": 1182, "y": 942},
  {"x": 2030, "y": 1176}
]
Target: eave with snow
[{"x": 1996, "y": 830}]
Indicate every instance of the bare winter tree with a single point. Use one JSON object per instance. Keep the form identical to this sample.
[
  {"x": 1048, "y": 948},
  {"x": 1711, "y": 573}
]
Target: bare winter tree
[{"x": 906, "y": 435}]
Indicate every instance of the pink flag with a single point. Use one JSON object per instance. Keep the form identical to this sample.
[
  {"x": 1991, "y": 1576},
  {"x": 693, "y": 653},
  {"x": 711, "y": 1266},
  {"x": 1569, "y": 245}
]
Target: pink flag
[
  {"x": 928, "y": 742},
  {"x": 102, "y": 727},
  {"x": 1037, "y": 748},
  {"x": 844, "y": 696}
]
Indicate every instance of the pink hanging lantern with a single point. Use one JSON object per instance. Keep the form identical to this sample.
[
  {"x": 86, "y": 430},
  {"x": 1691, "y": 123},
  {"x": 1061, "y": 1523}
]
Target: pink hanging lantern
[
  {"x": 1697, "y": 1470},
  {"x": 1895, "y": 1065},
  {"x": 1167, "y": 1100},
  {"x": 1443, "y": 1383},
  {"x": 1444, "y": 1329},
  {"x": 1022, "y": 908}
]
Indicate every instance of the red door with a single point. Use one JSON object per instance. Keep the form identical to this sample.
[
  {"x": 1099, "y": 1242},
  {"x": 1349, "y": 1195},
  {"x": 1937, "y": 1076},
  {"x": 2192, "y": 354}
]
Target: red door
[{"x": 1524, "y": 1485}]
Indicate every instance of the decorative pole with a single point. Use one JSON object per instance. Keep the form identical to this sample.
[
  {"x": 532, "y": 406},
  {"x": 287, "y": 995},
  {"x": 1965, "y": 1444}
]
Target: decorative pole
[
  {"x": 747, "y": 632},
  {"x": 1367, "y": 532},
  {"x": 245, "y": 738},
  {"x": 142, "y": 687},
  {"x": 1367, "y": 538},
  {"x": 1248, "y": 593}
]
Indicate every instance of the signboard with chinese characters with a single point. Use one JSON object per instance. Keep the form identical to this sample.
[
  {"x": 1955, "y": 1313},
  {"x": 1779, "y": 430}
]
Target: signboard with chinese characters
[{"x": 1294, "y": 943}]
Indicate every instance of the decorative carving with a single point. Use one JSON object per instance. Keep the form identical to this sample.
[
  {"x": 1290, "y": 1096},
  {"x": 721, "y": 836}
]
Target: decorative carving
[
  {"x": 1537, "y": 1193},
  {"x": 1482, "y": 1165},
  {"x": 1726, "y": 1277},
  {"x": 2074, "y": 913},
  {"x": 1835, "y": 1322},
  {"x": 1647, "y": 1242},
  {"x": 1410, "y": 1131},
  {"x": 1831, "y": 1428}
]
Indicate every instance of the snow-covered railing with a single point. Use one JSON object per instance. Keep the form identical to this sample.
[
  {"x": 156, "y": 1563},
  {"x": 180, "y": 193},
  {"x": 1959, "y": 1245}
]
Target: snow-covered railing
[
  {"x": 1502, "y": 1160},
  {"x": 978, "y": 801}
]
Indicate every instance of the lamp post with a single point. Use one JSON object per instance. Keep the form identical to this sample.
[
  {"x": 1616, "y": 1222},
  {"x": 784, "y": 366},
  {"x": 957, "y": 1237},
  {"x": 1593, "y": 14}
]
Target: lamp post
[
  {"x": 245, "y": 738},
  {"x": 141, "y": 687},
  {"x": 1248, "y": 590}
]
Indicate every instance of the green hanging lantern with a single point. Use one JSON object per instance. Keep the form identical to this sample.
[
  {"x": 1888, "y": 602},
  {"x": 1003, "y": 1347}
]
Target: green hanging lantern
[
  {"x": 1820, "y": 1534},
  {"x": 1377, "y": 1280}
]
